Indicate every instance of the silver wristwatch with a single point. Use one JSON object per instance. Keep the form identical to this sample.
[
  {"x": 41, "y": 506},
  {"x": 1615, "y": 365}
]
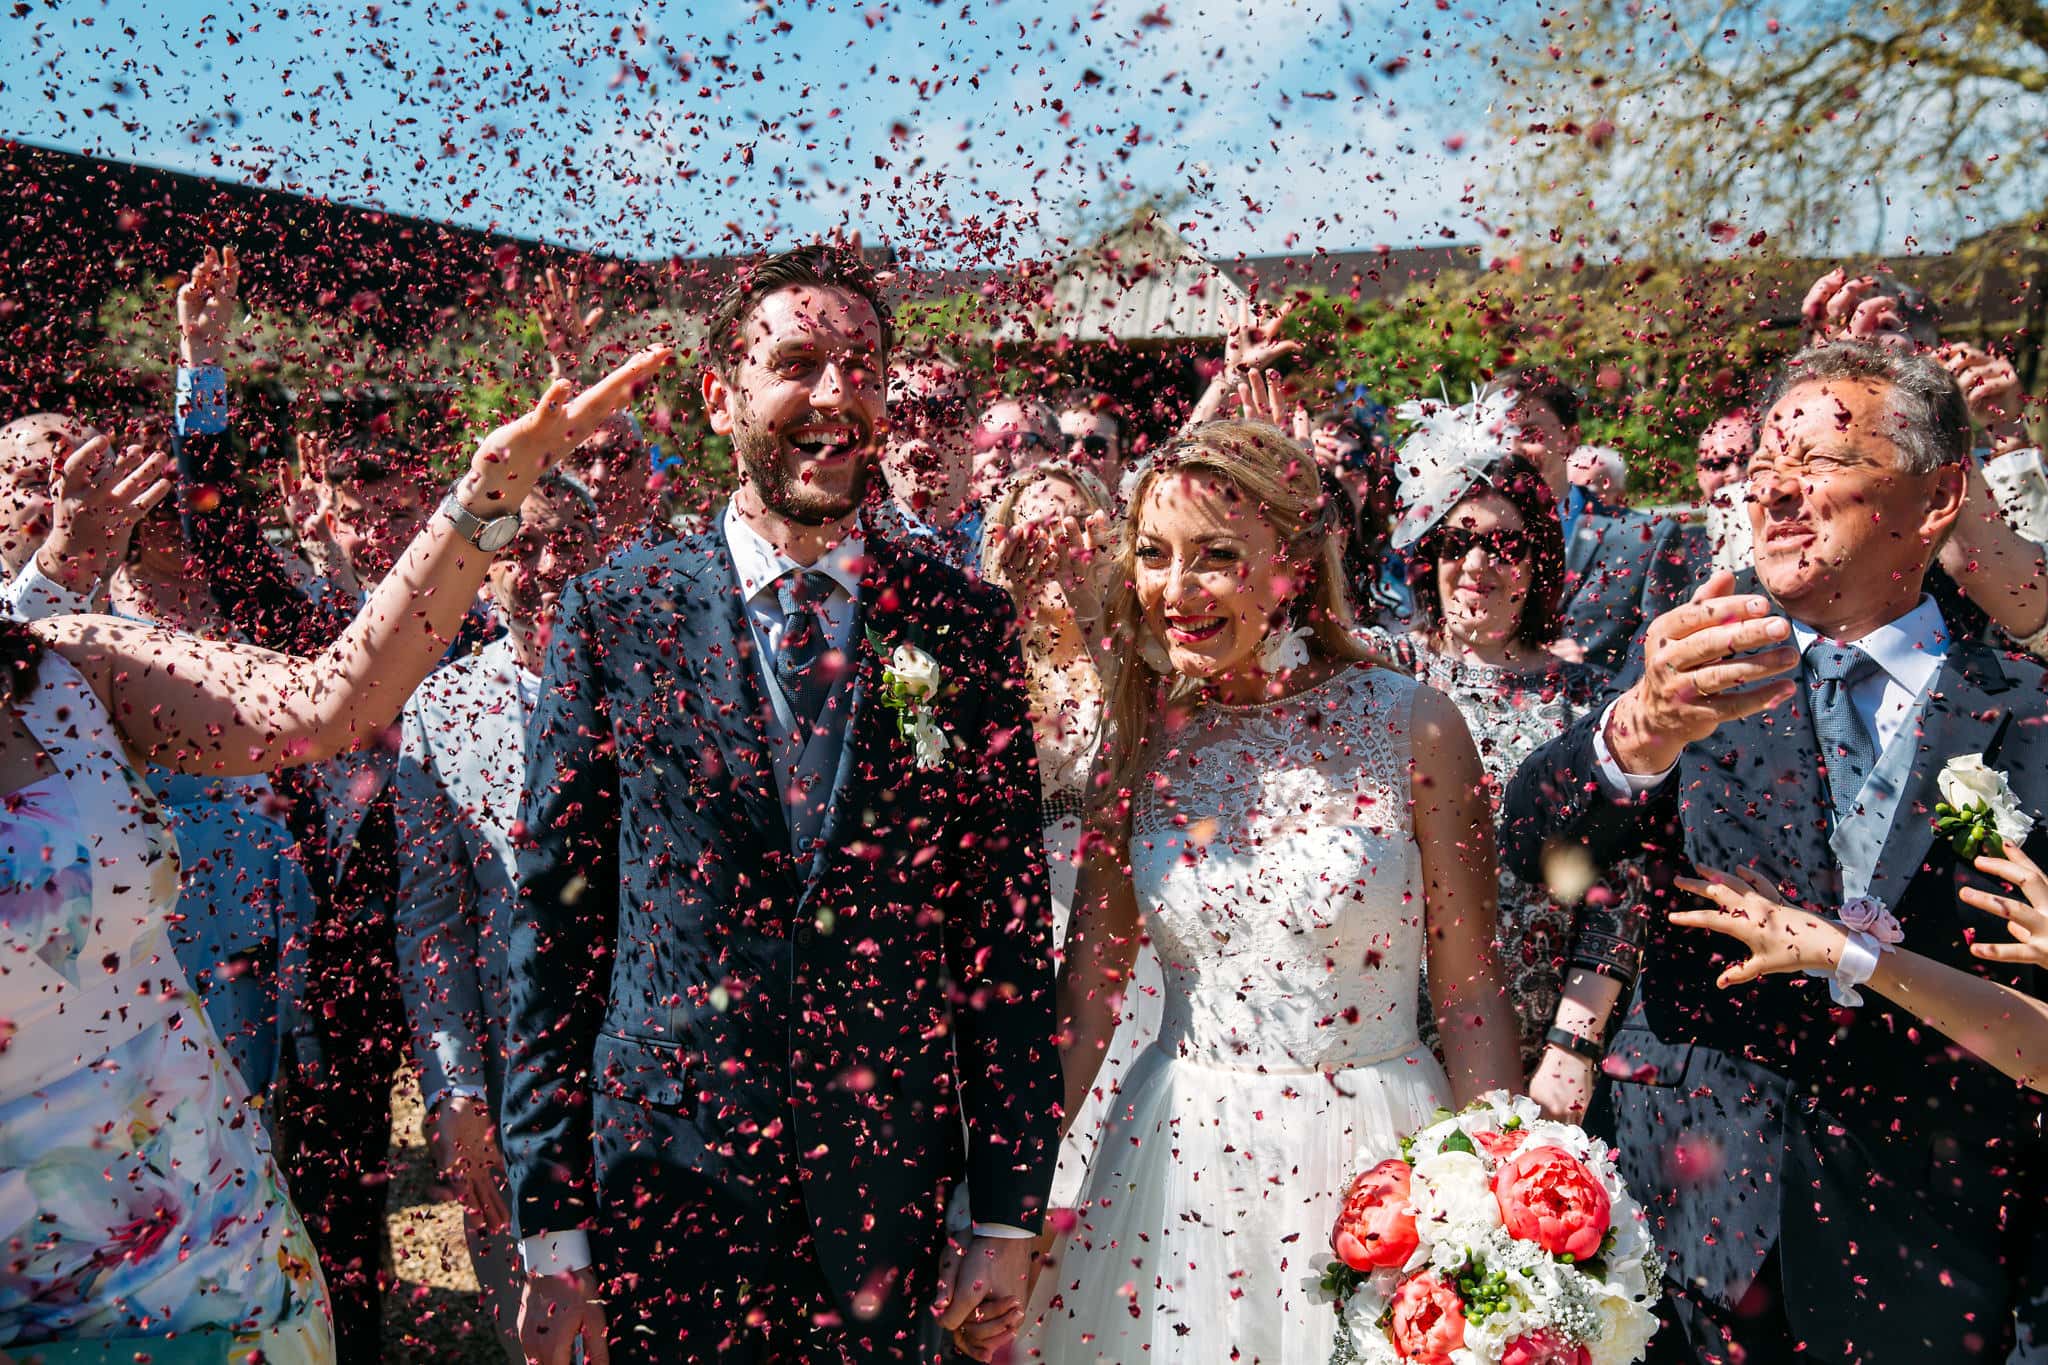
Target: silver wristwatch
[{"x": 489, "y": 534}]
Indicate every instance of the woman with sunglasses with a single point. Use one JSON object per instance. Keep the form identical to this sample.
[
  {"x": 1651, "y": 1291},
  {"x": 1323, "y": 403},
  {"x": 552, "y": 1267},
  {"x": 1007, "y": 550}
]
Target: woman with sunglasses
[{"x": 1481, "y": 532}]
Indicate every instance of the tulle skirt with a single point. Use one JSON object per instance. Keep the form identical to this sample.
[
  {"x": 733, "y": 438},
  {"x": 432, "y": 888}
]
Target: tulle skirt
[{"x": 1205, "y": 1215}]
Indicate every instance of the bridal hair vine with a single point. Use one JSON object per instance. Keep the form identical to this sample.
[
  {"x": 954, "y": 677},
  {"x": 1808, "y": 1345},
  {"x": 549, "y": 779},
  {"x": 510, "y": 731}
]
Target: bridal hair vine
[{"x": 1454, "y": 446}]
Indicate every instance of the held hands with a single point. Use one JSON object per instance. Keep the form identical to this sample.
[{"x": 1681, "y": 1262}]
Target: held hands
[
  {"x": 1698, "y": 672},
  {"x": 99, "y": 499},
  {"x": 982, "y": 1289},
  {"x": 555, "y": 1312},
  {"x": 465, "y": 1147},
  {"x": 206, "y": 305},
  {"x": 1780, "y": 937},
  {"x": 509, "y": 459},
  {"x": 2028, "y": 920}
]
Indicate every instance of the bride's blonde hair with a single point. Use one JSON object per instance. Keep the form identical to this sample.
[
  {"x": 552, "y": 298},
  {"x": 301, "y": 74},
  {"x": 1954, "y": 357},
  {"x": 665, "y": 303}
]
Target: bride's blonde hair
[{"x": 1279, "y": 479}]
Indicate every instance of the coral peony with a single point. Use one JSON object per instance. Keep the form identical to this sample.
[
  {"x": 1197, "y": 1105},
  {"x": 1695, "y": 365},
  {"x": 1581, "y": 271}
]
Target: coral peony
[
  {"x": 1376, "y": 1230},
  {"x": 1547, "y": 1196},
  {"x": 1545, "y": 1348},
  {"x": 1429, "y": 1320}
]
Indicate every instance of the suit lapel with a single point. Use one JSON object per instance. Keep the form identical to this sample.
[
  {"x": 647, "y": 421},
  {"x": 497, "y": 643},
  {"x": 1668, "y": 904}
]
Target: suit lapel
[
  {"x": 719, "y": 648},
  {"x": 1961, "y": 716}
]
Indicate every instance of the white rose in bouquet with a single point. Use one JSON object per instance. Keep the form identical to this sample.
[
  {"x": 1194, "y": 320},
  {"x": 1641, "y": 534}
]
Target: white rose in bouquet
[{"x": 1452, "y": 1190}]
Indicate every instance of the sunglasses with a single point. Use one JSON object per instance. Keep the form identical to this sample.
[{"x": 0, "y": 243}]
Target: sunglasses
[
  {"x": 1501, "y": 546},
  {"x": 1096, "y": 446}
]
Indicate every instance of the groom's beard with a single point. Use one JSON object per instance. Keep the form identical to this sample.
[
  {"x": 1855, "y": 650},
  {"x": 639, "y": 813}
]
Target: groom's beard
[{"x": 765, "y": 462}]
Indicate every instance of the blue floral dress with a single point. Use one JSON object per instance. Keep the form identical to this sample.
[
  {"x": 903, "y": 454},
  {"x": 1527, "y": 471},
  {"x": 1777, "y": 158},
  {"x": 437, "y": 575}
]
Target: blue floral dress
[{"x": 141, "y": 1215}]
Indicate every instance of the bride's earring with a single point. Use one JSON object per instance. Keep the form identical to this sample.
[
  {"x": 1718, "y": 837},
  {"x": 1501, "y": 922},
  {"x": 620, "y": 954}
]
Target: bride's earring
[{"x": 1285, "y": 647}]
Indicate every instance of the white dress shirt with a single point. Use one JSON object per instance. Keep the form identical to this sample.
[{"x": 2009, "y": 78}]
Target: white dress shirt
[
  {"x": 1908, "y": 653},
  {"x": 759, "y": 567}
]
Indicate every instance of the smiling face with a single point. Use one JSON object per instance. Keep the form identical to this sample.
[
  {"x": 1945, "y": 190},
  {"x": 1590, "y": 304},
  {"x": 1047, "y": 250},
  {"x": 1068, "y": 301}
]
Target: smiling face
[
  {"x": 1208, "y": 572},
  {"x": 1482, "y": 568},
  {"x": 1843, "y": 534},
  {"x": 802, "y": 402}
]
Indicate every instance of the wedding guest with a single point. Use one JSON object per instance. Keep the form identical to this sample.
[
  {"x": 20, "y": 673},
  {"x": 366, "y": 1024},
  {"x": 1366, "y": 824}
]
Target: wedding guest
[
  {"x": 1048, "y": 546},
  {"x": 1012, "y": 434},
  {"x": 1721, "y": 456},
  {"x": 1620, "y": 565},
  {"x": 1092, "y": 435},
  {"x": 1485, "y": 535},
  {"x": 1602, "y": 471},
  {"x": 143, "y": 1216},
  {"x": 1763, "y": 1130},
  {"x": 461, "y": 775},
  {"x": 926, "y": 459},
  {"x": 69, "y": 501}
]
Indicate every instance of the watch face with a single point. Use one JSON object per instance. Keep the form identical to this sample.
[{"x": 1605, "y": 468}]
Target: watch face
[{"x": 495, "y": 534}]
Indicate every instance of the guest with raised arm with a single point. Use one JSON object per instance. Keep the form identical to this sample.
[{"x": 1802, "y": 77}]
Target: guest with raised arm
[
  {"x": 1763, "y": 1128},
  {"x": 461, "y": 775},
  {"x": 142, "y": 1209},
  {"x": 69, "y": 502},
  {"x": 1481, "y": 526}
]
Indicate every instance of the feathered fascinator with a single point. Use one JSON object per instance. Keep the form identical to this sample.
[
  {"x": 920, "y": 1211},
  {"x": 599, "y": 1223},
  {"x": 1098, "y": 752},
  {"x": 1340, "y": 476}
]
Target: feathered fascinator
[{"x": 1453, "y": 447}]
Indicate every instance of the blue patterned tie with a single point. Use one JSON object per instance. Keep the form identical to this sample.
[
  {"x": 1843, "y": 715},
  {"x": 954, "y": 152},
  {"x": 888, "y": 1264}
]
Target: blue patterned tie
[
  {"x": 1847, "y": 748},
  {"x": 798, "y": 655}
]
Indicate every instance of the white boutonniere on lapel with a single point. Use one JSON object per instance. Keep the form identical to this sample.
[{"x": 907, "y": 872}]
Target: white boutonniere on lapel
[
  {"x": 911, "y": 679},
  {"x": 1978, "y": 812}
]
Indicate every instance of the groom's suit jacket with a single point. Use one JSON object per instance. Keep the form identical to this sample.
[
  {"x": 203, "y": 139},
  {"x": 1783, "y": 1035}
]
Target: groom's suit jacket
[
  {"x": 1889, "y": 1168},
  {"x": 676, "y": 958}
]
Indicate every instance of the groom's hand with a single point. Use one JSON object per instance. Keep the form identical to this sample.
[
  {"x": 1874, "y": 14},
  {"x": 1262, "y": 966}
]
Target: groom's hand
[
  {"x": 554, "y": 1311},
  {"x": 981, "y": 1293}
]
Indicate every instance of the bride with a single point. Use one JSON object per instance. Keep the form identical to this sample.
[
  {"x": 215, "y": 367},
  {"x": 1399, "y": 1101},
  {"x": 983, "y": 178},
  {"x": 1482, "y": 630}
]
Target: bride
[{"x": 1293, "y": 827}]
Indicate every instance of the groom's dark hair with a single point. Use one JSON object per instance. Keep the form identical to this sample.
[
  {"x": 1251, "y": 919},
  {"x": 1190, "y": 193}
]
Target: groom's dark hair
[{"x": 817, "y": 266}]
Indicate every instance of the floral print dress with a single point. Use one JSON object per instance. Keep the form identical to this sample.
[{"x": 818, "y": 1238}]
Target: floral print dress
[{"x": 141, "y": 1215}]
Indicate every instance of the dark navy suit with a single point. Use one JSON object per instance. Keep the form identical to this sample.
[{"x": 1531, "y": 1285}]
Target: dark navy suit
[
  {"x": 745, "y": 1068},
  {"x": 1895, "y": 1177}
]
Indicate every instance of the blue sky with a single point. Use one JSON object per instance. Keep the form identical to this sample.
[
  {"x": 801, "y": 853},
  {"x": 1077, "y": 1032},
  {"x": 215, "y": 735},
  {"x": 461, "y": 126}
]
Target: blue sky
[{"x": 975, "y": 131}]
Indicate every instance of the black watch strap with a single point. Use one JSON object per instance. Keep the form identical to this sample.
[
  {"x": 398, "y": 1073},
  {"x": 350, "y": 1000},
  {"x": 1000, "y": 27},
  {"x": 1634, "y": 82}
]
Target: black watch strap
[{"x": 1592, "y": 1049}]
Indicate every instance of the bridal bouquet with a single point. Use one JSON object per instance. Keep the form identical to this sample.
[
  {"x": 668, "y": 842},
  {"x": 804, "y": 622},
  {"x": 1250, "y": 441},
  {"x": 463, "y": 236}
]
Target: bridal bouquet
[{"x": 1492, "y": 1237}]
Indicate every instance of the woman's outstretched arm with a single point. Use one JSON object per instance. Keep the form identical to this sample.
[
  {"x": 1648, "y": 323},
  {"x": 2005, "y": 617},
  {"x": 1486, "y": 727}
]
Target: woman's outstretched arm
[{"x": 213, "y": 707}]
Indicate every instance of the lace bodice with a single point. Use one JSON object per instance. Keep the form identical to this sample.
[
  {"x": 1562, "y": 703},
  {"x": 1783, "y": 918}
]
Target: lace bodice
[{"x": 1274, "y": 861}]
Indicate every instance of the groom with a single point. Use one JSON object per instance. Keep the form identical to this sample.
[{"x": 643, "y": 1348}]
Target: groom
[
  {"x": 1834, "y": 1185},
  {"x": 783, "y": 978}
]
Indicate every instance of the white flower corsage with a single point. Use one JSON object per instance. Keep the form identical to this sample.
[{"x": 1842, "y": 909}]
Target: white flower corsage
[
  {"x": 1978, "y": 811},
  {"x": 910, "y": 686}
]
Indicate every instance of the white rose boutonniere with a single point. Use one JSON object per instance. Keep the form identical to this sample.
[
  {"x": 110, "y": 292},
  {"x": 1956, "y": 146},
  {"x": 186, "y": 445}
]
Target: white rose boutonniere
[
  {"x": 911, "y": 679},
  {"x": 1978, "y": 812}
]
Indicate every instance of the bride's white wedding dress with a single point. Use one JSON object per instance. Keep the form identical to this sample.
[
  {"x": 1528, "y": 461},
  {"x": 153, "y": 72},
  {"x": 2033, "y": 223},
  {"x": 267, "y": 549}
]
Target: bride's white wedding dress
[{"x": 1274, "y": 863}]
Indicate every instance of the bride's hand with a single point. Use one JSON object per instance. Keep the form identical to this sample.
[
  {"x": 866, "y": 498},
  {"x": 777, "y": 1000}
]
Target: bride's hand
[
  {"x": 1779, "y": 937},
  {"x": 1562, "y": 1085}
]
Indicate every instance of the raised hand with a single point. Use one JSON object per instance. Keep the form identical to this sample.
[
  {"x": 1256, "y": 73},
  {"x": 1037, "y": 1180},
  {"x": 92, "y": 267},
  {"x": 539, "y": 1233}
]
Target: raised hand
[
  {"x": 1259, "y": 398},
  {"x": 566, "y": 324},
  {"x": 1838, "y": 306},
  {"x": 1780, "y": 937},
  {"x": 509, "y": 459},
  {"x": 1698, "y": 671},
  {"x": 1991, "y": 386},
  {"x": 206, "y": 307},
  {"x": 1254, "y": 342},
  {"x": 2028, "y": 919},
  {"x": 101, "y": 496}
]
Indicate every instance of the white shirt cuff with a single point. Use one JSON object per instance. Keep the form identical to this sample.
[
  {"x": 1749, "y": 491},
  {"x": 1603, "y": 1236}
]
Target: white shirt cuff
[
  {"x": 1622, "y": 786},
  {"x": 33, "y": 595},
  {"x": 1854, "y": 967},
  {"x": 555, "y": 1253},
  {"x": 1002, "y": 1230}
]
